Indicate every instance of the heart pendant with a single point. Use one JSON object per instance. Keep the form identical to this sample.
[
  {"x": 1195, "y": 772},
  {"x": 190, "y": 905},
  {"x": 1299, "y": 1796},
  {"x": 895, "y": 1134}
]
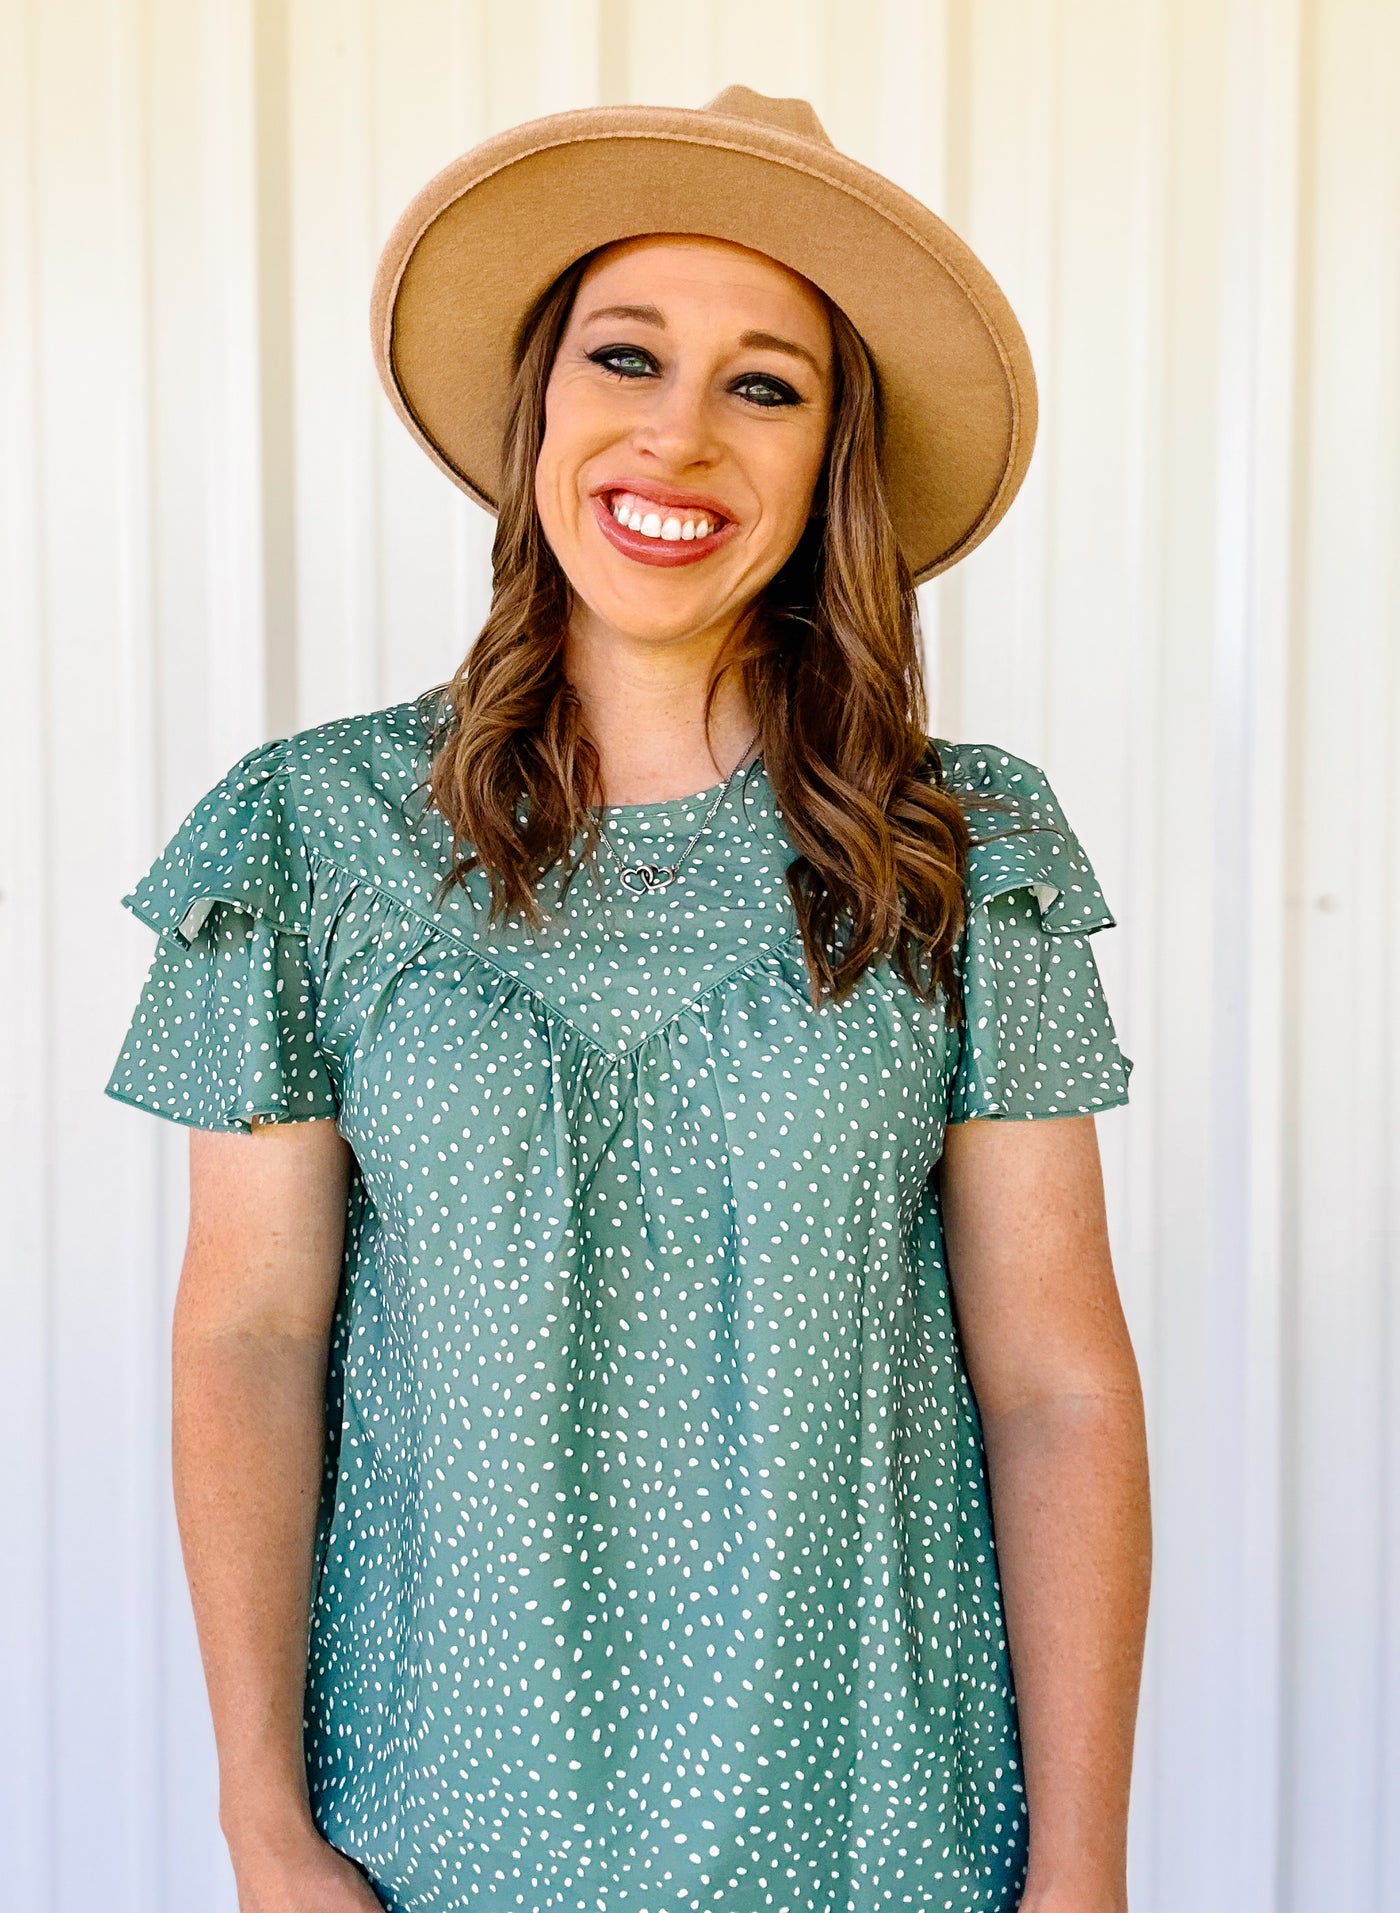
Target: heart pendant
[{"x": 639, "y": 878}]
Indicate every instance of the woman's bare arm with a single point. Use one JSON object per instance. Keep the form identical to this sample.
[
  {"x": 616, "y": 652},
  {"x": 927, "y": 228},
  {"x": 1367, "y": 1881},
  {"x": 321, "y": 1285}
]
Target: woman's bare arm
[
  {"x": 249, "y": 1350},
  {"x": 1057, "y": 1385}
]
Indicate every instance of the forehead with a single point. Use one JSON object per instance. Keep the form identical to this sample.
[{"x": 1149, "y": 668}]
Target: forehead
[{"x": 684, "y": 266}]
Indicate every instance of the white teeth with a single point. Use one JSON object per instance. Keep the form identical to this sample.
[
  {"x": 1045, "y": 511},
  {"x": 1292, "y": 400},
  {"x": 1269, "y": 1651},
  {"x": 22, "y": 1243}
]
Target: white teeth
[{"x": 629, "y": 510}]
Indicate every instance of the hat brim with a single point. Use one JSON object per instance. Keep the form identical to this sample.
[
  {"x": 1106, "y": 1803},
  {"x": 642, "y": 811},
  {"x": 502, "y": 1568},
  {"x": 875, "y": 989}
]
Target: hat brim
[{"x": 488, "y": 234}]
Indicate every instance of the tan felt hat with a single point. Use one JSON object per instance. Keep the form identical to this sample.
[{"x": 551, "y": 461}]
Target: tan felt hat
[{"x": 485, "y": 237}]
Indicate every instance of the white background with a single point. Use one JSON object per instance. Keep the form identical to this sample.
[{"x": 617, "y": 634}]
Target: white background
[{"x": 215, "y": 531}]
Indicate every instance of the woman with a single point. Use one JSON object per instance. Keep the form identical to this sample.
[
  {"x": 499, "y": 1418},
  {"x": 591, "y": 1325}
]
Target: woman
[{"x": 589, "y": 1063}]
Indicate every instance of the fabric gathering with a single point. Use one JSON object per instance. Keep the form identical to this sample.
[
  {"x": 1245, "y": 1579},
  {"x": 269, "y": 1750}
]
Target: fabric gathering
[{"x": 654, "y": 1567}]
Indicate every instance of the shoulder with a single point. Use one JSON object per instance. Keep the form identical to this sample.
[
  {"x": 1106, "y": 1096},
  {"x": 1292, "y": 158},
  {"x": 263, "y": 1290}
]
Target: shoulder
[
  {"x": 339, "y": 788},
  {"x": 347, "y": 770},
  {"x": 350, "y": 785},
  {"x": 986, "y": 770},
  {"x": 328, "y": 775},
  {"x": 1021, "y": 837},
  {"x": 386, "y": 748}
]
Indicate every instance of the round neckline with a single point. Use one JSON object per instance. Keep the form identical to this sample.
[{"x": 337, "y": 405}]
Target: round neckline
[{"x": 673, "y": 810}]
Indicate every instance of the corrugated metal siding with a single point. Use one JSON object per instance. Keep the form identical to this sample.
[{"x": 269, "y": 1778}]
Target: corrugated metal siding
[{"x": 214, "y": 532}]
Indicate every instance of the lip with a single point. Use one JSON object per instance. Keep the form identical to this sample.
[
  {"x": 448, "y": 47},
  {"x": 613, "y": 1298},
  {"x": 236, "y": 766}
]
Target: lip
[{"x": 658, "y": 551}]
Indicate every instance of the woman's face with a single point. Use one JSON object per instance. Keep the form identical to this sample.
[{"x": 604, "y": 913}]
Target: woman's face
[{"x": 686, "y": 420}]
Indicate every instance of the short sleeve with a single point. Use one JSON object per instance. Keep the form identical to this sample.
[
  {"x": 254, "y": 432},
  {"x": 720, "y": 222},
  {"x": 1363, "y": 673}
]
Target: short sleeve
[
  {"x": 224, "y": 1028},
  {"x": 1038, "y": 1038}
]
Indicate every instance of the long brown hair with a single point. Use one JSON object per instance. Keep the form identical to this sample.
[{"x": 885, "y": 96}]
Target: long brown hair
[{"x": 828, "y": 657}]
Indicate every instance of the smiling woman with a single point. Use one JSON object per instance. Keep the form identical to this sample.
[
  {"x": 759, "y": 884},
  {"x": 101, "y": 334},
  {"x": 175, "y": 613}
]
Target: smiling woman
[
  {"x": 696, "y": 385},
  {"x": 636, "y": 1210},
  {"x": 793, "y": 628}
]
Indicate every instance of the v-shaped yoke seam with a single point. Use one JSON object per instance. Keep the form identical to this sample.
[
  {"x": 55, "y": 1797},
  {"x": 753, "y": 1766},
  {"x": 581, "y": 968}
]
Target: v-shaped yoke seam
[{"x": 435, "y": 926}]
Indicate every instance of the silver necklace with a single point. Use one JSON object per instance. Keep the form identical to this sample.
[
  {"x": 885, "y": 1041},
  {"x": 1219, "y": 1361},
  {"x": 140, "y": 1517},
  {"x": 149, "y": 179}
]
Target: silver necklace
[{"x": 639, "y": 878}]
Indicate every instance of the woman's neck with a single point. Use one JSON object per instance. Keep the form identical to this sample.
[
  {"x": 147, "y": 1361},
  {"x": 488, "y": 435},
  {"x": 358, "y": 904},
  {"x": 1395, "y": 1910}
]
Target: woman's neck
[{"x": 643, "y": 706}]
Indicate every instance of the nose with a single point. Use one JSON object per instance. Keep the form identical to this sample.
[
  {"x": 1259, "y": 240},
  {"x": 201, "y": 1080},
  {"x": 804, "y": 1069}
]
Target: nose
[{"x": 678, "y": 428}]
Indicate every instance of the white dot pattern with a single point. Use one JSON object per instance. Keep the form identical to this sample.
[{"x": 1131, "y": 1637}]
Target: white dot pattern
[{"x": 654, "y": 1566}]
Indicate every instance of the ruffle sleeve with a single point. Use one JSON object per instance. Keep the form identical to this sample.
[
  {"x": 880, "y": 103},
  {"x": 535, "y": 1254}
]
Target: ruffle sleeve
[
  {"x": 1038, "y": 1037},
  {"x": 224, "y": 1027}
]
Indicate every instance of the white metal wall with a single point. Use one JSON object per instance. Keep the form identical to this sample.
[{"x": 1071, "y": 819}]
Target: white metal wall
[{"x": 215, "y": 532}]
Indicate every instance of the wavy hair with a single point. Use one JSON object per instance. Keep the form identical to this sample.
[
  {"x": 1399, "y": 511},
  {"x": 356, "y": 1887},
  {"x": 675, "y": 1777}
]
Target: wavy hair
[{"x": 828, "y": 659}]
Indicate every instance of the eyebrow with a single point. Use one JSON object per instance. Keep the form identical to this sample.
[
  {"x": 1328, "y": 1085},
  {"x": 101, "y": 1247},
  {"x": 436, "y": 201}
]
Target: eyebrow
[
  {"x": 649, "y": 315},
  {"x": 755, "y": 341}
]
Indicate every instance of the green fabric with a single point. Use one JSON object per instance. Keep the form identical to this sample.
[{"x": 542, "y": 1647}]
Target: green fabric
[{"x": 654, "y": 1567}]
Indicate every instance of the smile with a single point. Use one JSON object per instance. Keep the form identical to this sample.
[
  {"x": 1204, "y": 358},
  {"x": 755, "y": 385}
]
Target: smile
[
  {"x": 656, "y": 533},
  {"x": 655, "y": 521}
]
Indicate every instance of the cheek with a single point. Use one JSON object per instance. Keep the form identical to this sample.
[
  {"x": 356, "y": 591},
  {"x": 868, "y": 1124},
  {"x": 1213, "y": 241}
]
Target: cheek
[
  {"x": 790, "y": 474},
  {"x": 554, "y": 449},
  {"x": 547, "y": 482},
  {"x": 556, "y": 490},
  {"x": 576, "y": 429}
]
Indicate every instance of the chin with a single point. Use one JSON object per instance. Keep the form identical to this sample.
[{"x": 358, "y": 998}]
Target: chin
[
  {"x": 660, "y": 606},
  {"x": 657, "y": 623}
]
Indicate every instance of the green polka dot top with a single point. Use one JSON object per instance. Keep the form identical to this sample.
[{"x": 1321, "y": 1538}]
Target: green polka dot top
[{"x": 654, "y": 1570}]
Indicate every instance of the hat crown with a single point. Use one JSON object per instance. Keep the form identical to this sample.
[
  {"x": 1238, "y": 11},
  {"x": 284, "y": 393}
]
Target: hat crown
[{"x": 787, "y": 116}]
